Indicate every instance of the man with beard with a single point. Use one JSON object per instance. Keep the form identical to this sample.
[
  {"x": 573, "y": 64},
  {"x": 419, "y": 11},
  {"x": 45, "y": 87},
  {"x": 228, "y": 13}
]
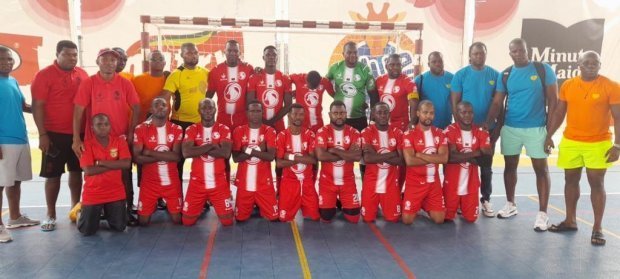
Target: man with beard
[
  {"x": 209, "y": 144},
  {"x": 122, "y": 62},
  {"x": 187, "y": 84},
  {"x": 157, "y": 147},
  {"x": 467, "y": 143},
  {"x": 399, "y": 93},
  {"x": 309, "y": 89},
  {"x": 53, "y": 90},
  {"x": 423, "y": 149},
  {"x": 295, "y": 155},
  {"x": 254, "y": 147},
  {"x": 528, "y": 94},
  {"x": 108, "y": 93},
  {"x": 587, "y": 101},
  {"x": 434, "y": 85},
  {"x": 338, "y": 148},
  {"x": 380, "y": 143},
  {"x": 476, "y": 83}
]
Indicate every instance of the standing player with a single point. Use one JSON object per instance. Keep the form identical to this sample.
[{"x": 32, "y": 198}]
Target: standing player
[
  {"x": 157, "y": 147},
  {"x": 229, "y": 80},
  {"x": 309, "y": 90},
  {"x": 380, "y": 143},
  {"x": 103, "y": 158},
  {"x": 423, "y": 149},
  {"x": 53, "y": 90},
  {"x": 467, "y": 143},
  {"x": 272, "y": 89},
  {"x": 254, "y": 147},
  {"x": 434, "y": 85},
  {"x": 149, "y": 85},
  {"x": 209, "y": 145},
  {"x": 399, "y": 93},
  {"x": 295, "y": 154},
  {"x": 338, "y": 148}
]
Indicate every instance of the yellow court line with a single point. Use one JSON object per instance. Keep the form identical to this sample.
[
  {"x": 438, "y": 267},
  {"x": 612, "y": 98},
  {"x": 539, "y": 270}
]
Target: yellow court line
[
  {"x": 578, "y": 219},
  {"x": 303, "y": 261}
]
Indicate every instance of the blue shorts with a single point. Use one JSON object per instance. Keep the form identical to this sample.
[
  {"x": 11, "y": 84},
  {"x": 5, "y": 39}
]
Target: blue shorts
[{"x": 514, "y": 139}]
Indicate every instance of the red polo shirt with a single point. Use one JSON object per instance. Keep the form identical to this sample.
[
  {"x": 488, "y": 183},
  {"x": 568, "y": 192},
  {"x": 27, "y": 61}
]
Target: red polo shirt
[{"x": 108, "y": 186}]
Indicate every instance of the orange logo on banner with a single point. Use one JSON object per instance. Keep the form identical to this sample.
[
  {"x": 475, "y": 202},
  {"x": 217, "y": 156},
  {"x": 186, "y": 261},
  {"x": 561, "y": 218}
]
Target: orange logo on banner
[{"x": 26, "y": 55}]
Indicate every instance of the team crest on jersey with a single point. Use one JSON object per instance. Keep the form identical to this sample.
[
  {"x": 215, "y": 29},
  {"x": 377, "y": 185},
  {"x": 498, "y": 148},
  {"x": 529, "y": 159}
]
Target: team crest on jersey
[
  {"x": 232, "y": 92},
  {"x": 305, "y": 145},
  {"x": 242, "y": 76},
  {"x": 392, "y": 142},
  {"x": 114, "y": 152},
  {"x": 312, "y": 99},
  {"x": 278, "y": 83},
  {"x": 216, "y": 135},
  {"x": 396, "y": 89},
  {"x": 271, "y": 98},
  {"x": 348, "y": 89},
  {"x": 347, "y": 140},
  {"x": 170, "y": 138},
  {"x": 320, "y": 88},
  {"x": 436, "y": 140},
  {"x": 358, "y": 77},
  {"x": 261, "y": 138}
]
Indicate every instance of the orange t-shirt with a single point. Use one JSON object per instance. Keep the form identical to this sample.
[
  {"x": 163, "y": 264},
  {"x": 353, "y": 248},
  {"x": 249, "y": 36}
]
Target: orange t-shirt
[
  {"x": 588, "y": 108},
  {"x": 148, "y": 87},
  {"x": 126, "y": 75}
]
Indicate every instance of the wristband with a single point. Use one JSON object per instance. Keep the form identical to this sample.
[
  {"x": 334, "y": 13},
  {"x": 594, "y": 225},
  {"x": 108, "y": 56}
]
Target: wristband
[
  {"x": 248, "y": 151},
  {"x": 616, "y": 145},
  {"x": 291, "y": 157}
]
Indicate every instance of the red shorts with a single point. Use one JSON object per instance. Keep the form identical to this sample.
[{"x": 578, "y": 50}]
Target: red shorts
[
  {"x": 197, "y": 195},
  {"x": 151, "y": 192},
  {"x": 264, "y": 198},
  {"x": 329, "y": 193},
  {"x": 403, "y": 125},
  {"x": 389, "y": 201},
  {"x": 294, "y": 195},
  {"x": 468, "y": 203},
  {"x": 232, "y": 121},
  {"x": 422, "y": 196}
]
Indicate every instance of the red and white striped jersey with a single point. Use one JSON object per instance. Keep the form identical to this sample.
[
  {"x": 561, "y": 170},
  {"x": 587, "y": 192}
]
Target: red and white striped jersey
[
  {"x": 207, "y": 169},
  {"x": 270, "y": 90},
  {"x": 396, "y": 93},
  {"x": 253, "y": 174},
  {"x": 427, "y": 142},
  {"x": 160, "y": 139},
  {"x": 301, "y": 144},
  {"x": 340, "y": 172},
  {"x": 465, "y": 174},
  {"x": 381, "y": 176},
  {"x": 311, "y": 99}
]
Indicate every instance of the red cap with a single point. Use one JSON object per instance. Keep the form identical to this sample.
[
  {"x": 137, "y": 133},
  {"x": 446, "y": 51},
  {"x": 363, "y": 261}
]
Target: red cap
[{"x": 108, "y": 50}]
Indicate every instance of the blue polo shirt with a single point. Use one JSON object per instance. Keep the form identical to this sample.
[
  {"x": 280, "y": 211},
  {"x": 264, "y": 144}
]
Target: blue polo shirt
[
  {"x": 526, "y": 106},
  {"x": 13, "y": 129},
  {"x": 476, "y": 87},
  {"x": 437, "y": 90}
]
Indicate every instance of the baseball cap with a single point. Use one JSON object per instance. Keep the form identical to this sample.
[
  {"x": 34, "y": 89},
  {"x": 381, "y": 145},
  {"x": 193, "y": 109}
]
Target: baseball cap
[{"x": 108, "y": 50}]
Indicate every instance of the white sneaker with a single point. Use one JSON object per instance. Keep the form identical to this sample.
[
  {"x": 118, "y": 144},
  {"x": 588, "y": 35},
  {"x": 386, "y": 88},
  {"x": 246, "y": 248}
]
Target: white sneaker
[
  {"x": 487, "y": 209},
  {"x": 5, "y": 235},
  {"x": 509, "y": 210},
  {"x": 542, "y": 222},
  {"x": 22, "y": 221}
]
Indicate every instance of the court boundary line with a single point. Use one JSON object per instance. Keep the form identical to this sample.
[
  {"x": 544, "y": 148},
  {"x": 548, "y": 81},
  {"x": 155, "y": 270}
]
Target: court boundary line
[
  {"x": 301, "y": 252},
  {"x": 386, "y": 244},
  {"x": 204, "y": 267},
  {"x": 549, "y": 205}
]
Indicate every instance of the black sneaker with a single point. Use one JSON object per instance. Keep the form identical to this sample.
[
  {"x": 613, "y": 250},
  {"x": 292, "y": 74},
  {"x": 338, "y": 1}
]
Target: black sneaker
[
  {"x": 161, "y": 204},
  {"x": 132, "y": 221}
]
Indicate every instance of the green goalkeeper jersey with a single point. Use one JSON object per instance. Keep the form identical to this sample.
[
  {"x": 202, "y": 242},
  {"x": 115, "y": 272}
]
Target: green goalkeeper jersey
[{"x": 351, "y": 86}]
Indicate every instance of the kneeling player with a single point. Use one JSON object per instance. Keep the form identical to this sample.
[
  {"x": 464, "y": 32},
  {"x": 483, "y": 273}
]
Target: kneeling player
[
  {"x": 157, "y": 146},
  {"x": 295, "y": 154},
  {"x": 254, "y": 147},
  {"x": 208, "y": 144},
  {"x": 381, "y": 186},
  {"x": 424, "y": 148},
  {"x": 338, "y": 148},
  {"x": 467, "y": 143},
  {"x": 102, "y": 161}
]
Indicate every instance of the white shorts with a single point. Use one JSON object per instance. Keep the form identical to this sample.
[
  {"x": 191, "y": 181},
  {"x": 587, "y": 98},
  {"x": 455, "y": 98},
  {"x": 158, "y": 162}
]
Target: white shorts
[{"x": 15, "y": 164}]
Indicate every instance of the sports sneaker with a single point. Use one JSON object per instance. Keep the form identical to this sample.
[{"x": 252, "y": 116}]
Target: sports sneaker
[
  {"x": 510, "y": 209},
  {"x": 22, "y": 221},
  {"x": 74, "y": 212},
  {"x": 5, "y": 235},
  {"x": 542, "y": 222},
  {"x": 487, "y": 209}
]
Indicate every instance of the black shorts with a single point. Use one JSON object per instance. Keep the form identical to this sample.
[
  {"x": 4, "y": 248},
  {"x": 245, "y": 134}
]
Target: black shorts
[
  {"x": 357, "y": 123},
  {"x": 115, "y": 213},
  {"x": 60, "y": 154}
]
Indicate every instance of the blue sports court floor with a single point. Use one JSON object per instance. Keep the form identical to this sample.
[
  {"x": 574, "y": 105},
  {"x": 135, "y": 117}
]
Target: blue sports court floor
[{"x": 490, "y": 248}]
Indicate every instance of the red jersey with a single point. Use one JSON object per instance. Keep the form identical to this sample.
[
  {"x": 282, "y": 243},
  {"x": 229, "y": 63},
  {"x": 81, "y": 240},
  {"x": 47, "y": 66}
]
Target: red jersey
[
  {"x": 311, "y": 100},
  {"x": 159, "y": 139},
  {"x": 230, "y": 85},
  {"x": 396, "y": 93},
  {"x": 270, "y": 90},
  {"x": 339, "y": 172},
  {"x": 253, "y": 174},
  {"x": 427, "y": 142},
  {"x": 108, "y": 186},
  {"x": 380, "y": 175},
  {"x": 111, "y": 97},
  {"x": 205, "y": 168},
  {"x": 57, "y": 88},
  {"x": 301, "y": 144},
  {"x": 465, "y": 174}
]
